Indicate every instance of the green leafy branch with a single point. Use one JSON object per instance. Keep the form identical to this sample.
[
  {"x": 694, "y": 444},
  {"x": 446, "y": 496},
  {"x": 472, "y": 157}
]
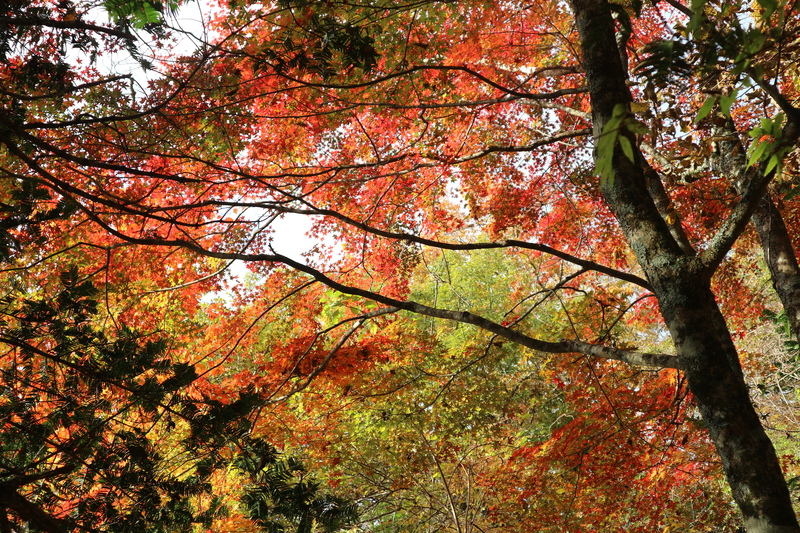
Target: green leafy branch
[
  {"x": 140, "y": 14},
  {"x": 725, "y": 102},
  {"x": 733, "y": 39},
  {"x": 281, "y": 497},
  {"x": 614, "y": 132},
  {"x": 767, "y": 145}
]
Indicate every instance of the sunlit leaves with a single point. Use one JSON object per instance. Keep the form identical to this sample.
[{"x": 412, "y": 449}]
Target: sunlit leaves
[
  {"x": 141, "y": 14},
  {"x": 413, "y": 135},
  {"x": 766, "y": 144}
]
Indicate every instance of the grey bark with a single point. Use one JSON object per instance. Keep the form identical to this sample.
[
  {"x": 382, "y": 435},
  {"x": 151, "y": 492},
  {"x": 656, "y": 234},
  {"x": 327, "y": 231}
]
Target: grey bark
[
  {"x": 781, "y": 259},
  {"x": 779, "y": 253}
]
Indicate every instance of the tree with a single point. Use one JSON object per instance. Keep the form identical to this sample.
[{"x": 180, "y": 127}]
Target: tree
[
  {"x": 111, "y": 434},
  {"x": 277, "y": 501},
  {"x": 620, "y": 150},
  {"x": 103, "y": 427}
]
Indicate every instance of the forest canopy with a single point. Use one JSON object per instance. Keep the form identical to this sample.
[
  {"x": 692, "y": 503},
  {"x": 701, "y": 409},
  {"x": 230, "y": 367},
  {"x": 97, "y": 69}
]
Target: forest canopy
[{"x": 550, "y": 281}]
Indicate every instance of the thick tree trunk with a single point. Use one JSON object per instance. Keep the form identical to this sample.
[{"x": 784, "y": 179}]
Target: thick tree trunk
[
  {"x": 682, "y": 285},
  {"x": 704, "y": 346}
]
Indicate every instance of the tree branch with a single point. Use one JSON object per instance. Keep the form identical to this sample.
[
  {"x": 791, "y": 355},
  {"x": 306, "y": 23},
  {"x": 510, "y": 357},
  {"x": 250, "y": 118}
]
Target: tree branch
[
  {"x": 72, "y": 89},
  {"x": 680, "y": 7},
  {"x": 564, "y": 346},
  {"x": 509, "y": 243},
  {"x": 737, "y": 220},
  {"x": 664, "y": 205},
  {"x": 30, "y": 478},
  {"x": 585, "y": 132},
  {"x": 64, "y": 24},
  {"x": 64, "y": 187},
  {"x": 446, "y": 68},
  {"x": 31, "y": 512}
]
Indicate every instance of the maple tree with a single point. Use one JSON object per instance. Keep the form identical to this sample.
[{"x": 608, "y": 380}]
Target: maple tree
[
  {"x": 105, "y": 426},
  {"x": 593, "y": 167}
]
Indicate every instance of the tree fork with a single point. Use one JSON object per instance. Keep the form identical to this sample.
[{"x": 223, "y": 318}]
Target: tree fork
[{"x": 682, "y": 286}]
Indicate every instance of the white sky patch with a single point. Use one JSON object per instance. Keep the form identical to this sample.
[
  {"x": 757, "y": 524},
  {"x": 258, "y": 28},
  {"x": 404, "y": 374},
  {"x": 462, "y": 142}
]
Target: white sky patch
[
  {"x": 290, "y": 237},
  {"x": 189, "y": 33}
]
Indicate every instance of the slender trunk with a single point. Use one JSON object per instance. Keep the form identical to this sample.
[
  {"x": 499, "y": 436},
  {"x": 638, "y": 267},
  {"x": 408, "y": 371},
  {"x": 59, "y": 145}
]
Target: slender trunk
[
  {"x": 781, "y": 259},
  {"x": 779, "y": 253},
  {"x": 682, "y": 285}
]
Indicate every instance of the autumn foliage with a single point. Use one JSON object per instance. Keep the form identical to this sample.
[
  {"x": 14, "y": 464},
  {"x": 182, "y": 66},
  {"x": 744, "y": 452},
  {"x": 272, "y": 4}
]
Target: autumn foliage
[{"x": 524, "y": 222}]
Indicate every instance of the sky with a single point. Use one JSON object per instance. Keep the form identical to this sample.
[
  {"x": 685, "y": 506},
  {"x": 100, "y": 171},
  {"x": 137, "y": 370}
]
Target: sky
[{"x": 290, "y": 236}]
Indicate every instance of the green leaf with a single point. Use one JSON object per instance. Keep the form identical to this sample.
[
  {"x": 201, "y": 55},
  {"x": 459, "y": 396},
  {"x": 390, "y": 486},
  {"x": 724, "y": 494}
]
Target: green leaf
[
  {"x": 698, "y": 16},
  {"x": 627, "y": 149},
  {"x": 758, "y": 152},
  {"x": 607, "y": 141},
  {"x": 795, "y": 191},
  {"x": 742, "y": 63},
  {"x": 769, "y": 7},
  {"x": 605, "y": 150},
  {"x": 725, "y": 102},
  {"x": 777, "y": 125},
  {"x": 774, "y": 161},
  {"x": 705, "y": 109}
]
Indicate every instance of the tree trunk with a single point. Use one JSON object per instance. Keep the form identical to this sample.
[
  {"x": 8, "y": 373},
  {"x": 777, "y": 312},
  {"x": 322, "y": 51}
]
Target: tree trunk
[
  {"x": 704, "y": 345},
  {"x": 681, "y": 282},
  {"x": 780, "y": 258},
  {"x": 779, "y": 253}
]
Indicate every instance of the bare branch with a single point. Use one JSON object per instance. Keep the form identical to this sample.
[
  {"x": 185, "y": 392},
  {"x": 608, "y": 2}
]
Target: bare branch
[
  {"x": 72, "y": 89},
  {"x": 737, "y": 220},
  {"x": 30, "y": 478},
  {"x": 446, "y": 68},
  {"x": 67, "y": 25},
  {"x": 680, "y": 7},
  {"x": 585, "y": 132},
  {"x": 509, "y": 243}
]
